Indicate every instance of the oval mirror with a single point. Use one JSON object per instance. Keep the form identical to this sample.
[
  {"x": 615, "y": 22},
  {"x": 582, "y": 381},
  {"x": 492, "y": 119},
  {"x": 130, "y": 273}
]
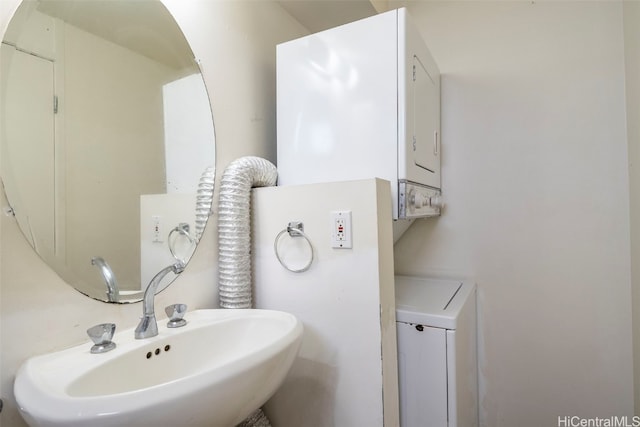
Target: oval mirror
[{"x": 106, "y": 136}]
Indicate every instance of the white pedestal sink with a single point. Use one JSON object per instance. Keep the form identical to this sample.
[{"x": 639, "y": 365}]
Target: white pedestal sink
[{"x": 213, "y": 372}]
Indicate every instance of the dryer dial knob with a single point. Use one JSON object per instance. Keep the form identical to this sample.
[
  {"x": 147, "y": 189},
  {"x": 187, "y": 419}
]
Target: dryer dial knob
[
  {"x": 418, "y": 200},
  {"x": 436, "y": 202}
]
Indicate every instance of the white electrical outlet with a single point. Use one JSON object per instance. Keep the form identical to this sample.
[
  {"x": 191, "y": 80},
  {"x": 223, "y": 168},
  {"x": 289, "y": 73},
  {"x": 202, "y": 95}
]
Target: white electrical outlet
[
  {"x": 157, "y": 232},
  {"x": 341, "y": 230}
]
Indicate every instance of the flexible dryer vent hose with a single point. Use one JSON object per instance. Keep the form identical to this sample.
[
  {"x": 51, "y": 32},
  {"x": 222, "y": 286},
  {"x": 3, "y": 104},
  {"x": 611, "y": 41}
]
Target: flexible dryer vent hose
[
  {"x": 204, "y": 200},
  {"x": 234, "y": 239},
  {"x": 234, "y": 227}
]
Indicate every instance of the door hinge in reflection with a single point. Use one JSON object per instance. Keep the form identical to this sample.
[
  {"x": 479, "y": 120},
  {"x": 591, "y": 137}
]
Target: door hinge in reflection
[{"x": 55, "y": 104}]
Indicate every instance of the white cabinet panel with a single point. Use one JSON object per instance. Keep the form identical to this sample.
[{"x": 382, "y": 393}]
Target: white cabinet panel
[{"x": 422, "y": 367}]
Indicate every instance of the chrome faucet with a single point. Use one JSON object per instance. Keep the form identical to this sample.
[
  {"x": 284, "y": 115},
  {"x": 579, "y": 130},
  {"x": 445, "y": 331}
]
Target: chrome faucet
[
  {"x": 148, "y": 326},
  {"x": 113, "y": 293}
]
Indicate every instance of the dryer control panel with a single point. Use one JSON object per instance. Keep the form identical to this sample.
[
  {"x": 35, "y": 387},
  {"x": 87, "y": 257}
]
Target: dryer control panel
[{"x": 415, "y": 201}]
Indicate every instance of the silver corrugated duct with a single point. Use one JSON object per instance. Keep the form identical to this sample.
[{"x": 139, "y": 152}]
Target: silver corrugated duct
[
  {"x": 234, "y": 239},
  {"x": 234, "y": 244},
  {"x": 204, "y": 200}
]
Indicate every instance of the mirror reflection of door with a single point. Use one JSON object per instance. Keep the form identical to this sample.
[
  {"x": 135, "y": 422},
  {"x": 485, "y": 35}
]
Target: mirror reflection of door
[{"x": 28, "y": 110}]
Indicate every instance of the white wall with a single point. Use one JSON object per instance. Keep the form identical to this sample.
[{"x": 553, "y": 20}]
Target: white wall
[
  {"x": 234, "y": 42},
  {"x": 535, "y": 181},
  {"x": 631, "y": 11},
  {"x": 345, "y": 300}
]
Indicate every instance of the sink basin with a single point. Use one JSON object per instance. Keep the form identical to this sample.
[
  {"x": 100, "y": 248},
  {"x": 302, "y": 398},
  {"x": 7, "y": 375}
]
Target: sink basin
[{"x": 215, "y": 371}]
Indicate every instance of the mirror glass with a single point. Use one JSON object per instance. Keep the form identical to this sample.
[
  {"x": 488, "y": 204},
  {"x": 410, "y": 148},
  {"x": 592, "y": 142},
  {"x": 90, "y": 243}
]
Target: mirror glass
[{"x": 106, "y": 135}]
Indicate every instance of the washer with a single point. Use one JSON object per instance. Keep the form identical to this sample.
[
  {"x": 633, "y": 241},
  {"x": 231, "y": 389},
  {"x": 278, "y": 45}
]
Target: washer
[{"x": 437, "y": 352}]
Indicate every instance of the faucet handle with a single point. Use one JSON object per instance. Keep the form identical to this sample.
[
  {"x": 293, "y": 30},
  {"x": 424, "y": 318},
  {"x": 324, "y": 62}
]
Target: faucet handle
[
  {"x": 176, "y": 313},
  {"x": 101, "y": 336}
]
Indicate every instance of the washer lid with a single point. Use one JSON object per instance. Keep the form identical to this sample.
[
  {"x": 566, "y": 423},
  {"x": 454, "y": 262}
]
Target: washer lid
[{"x": 430, "y": 302}]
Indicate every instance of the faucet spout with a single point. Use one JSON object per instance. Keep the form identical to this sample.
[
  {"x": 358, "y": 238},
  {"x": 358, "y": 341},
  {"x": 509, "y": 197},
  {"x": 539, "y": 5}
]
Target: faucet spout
[
  {"x": 113, "y": 293},
  {"x": 148, "y": 326}
]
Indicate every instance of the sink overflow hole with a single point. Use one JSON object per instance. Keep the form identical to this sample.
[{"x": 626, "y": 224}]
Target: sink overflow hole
[{"x": 157, "y": 351}]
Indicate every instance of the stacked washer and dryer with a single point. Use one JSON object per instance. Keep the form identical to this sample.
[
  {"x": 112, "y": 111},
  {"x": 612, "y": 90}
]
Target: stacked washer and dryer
[{"x": 360, "y": 101}]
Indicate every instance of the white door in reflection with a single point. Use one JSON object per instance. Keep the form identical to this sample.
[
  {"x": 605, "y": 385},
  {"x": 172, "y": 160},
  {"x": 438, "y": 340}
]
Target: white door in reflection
[{"x": 27, "y": 94}]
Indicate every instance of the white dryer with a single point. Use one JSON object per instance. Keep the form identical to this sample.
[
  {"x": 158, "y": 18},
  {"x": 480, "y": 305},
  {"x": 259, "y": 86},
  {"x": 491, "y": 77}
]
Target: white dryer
[{"x": 361, "y": 101}]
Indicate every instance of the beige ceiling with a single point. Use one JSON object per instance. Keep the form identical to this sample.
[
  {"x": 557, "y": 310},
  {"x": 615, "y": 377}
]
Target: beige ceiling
[
  {"x": 144, "y": 26},
  {"x": 318, "y": 15}
]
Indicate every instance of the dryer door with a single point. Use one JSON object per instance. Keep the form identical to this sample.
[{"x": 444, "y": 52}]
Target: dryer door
[{"x": 426, "y": 117}]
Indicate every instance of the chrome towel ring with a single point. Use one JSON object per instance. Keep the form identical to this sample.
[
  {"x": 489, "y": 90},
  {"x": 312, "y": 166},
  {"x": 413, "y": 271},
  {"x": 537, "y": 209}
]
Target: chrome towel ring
[
  {"x": 295, "y": 229},
  {"x": 183, "y": 230}
]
